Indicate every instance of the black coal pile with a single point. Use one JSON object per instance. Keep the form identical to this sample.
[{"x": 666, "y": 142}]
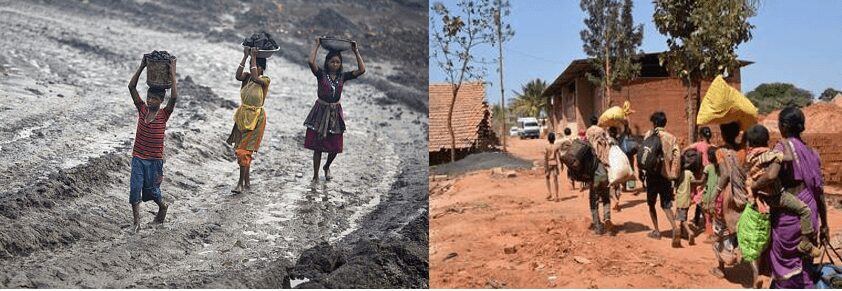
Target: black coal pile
[
  {"x": 158, "y": 56},
  {"x": 261, "y": 40},
  {"x": 331, "y": 21},
  {"x": 396, "y": 261}
]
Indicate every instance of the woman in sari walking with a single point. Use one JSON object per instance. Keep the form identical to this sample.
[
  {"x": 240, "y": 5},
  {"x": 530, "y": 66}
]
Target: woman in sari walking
[
  {"x": 800, "y": 174},
  {"x": 250, "y": 118}
]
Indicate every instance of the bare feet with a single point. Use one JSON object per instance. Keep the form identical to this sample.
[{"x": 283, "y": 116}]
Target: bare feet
[
  {"x": 162, "y": 214},
  {"x": 136, "y": 217},
  {"x": 327, "y": 173},
  {"x": 717, "y": 272},
  {"x": 237, "y": 190},
  {"x": 608, "y": 225},
  {"x": 676, "y": 242}
]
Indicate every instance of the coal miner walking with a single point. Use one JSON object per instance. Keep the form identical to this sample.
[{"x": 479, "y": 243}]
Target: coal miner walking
[
  {"x": 148, "y": 151},
  {"x": 325, "y": 123}
]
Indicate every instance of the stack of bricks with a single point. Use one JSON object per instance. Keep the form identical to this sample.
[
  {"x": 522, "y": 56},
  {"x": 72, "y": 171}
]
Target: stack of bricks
[{"x": 829, "y": 151}]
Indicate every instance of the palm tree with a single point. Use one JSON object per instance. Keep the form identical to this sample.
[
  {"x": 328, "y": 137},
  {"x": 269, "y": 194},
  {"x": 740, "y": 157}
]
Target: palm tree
[{"x": 529, "y": 101}]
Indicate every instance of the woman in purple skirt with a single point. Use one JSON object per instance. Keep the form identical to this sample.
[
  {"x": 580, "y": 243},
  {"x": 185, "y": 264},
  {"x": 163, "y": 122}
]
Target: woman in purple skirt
[
  {"x": 800, "y": 174},
  {"x": 325, "y": 123}
]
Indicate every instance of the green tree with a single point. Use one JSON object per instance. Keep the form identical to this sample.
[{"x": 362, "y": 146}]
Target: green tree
[
  {"x": 453, "y": 41},
  {"x": 702, "y": 36},
  {"x": 611, "y": 40},
  {"x": 773, "y": 96},
  {"x": 828, "y": 94},
  {"x": 529, "y": 101}
]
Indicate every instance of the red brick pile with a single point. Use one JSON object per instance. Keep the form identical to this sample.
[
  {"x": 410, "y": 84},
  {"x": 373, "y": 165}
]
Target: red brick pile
[{"x": 823, "y": 133}]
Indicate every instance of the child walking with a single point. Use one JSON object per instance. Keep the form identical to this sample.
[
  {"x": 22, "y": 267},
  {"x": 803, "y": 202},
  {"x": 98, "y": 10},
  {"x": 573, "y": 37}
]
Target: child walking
[
  {"x": 682, "y": 197},
  {"x": 148, "y": 151},
  {"x": 552, "y": 163},
  {"x": 325, "y": 122},
  {"x": 711, "y": 178}
]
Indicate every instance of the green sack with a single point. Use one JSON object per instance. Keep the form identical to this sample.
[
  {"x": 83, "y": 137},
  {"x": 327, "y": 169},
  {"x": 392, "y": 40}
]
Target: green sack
[{"x": 753, "y": 230}]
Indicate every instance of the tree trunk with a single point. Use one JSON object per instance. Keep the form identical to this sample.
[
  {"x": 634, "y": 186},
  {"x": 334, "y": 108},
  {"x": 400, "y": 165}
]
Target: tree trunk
[
  {"x": 606, "y": 96},
  {"x": 551, "y": 110},
  {"x": 450, "y": 124},
  {"x": 696, "y": 102},
  {"x": 691, "y": 112}
]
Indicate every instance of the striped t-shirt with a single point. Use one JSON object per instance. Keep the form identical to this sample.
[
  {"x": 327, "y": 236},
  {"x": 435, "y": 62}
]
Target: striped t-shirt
[{"x": 149, "y": 137}]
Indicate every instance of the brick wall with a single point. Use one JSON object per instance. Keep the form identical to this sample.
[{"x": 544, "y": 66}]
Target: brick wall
[
  {"x": 646, "y": 95},
  {"x": 659, "y": 94},
  {"x": 827, "y": 144}
]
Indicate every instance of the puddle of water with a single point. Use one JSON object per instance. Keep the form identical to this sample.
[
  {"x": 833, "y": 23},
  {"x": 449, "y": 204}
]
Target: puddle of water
[
  {"x": 267, "y": 220},
  {"x": 296, "y": 282},
  {"x": 27, "y": 132}
]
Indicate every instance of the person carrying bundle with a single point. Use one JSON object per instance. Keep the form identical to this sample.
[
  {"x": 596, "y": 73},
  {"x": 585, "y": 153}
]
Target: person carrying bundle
[
  {"x": 326, "y": 123},
  {"x": 250, "y": 118},
  {"x": 600, "y": 142},
  {"x": 148, "y": 151}
]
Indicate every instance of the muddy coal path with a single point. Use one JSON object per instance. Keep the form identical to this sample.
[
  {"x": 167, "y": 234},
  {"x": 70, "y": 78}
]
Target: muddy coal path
[{"x": 66, "y": 130}]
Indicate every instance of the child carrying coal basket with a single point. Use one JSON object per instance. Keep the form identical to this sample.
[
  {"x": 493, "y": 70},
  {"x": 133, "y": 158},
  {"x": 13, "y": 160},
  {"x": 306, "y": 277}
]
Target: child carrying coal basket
[
  {"x": 325, "y": 123},
  {"x": 148, "y": 152}
]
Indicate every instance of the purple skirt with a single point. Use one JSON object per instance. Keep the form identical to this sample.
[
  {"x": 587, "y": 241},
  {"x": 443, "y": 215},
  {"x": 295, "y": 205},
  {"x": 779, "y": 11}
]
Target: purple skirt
[{"x": 332, "y": 143}]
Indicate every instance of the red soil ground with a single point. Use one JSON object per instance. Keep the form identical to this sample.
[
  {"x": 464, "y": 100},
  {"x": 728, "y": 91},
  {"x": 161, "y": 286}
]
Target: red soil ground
[
  {"x": 820, "y": 118},
  {"x": 490, "y": 231}
]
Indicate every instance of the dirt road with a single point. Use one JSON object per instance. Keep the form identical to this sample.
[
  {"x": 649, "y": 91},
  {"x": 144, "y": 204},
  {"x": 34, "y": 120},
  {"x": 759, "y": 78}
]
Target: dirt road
[
  {"x": 491, "y": 231},
  {"x": 66, "y": 130}
]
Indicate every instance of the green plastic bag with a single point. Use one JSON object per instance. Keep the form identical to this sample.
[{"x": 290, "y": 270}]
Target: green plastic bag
[{"x": 753, "y": 230}]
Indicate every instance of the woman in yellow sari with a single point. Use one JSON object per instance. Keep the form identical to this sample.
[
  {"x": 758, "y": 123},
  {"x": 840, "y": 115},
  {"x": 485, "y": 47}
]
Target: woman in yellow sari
[{"x": 250, "y": 118}]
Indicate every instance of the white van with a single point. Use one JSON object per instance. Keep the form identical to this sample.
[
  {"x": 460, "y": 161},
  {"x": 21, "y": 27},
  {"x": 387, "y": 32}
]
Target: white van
[{"x": 529, "y": 127}]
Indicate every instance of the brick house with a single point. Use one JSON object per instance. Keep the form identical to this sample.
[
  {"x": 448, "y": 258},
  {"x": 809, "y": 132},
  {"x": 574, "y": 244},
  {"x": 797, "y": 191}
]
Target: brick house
[
  {"x": 471, "y": 122},
  {"x": 573, "y": 99}
]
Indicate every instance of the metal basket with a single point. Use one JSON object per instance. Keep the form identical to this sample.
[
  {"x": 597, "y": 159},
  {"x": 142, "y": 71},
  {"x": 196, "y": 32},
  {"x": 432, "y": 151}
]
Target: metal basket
[
  {"x": 335, "y": 44},
  {"x": 265, "y": 54},
  {"x": 158, "y": 74}
]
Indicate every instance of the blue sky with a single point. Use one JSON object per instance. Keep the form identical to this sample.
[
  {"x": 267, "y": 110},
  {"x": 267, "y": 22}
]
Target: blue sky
[{"x": 798, "y": 42}]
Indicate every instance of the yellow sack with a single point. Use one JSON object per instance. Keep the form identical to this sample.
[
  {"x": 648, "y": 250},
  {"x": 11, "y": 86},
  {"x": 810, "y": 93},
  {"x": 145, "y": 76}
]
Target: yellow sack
[
  {"x": 614, "y": 116},
  {"x": 723, "y": 104}
]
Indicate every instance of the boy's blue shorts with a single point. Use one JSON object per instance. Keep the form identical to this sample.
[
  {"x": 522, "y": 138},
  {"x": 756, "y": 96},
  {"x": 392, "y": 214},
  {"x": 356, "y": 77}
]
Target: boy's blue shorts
[{"x": 146, "y": 180}]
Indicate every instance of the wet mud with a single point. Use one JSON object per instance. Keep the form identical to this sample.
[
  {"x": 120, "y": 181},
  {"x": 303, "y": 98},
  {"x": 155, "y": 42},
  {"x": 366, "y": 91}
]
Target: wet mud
[{"x": 68, "y": 125}]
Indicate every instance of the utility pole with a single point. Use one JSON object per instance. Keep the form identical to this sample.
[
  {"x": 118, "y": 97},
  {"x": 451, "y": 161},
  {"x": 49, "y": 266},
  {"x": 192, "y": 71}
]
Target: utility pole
[{"x": 499, "y": 17}]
